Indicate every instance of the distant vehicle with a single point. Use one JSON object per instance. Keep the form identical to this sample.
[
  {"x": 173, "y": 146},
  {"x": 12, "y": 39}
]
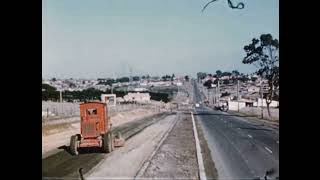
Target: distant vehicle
[
  {"x": 197, "y": 105},
  {"x": 223, "y": 106}
]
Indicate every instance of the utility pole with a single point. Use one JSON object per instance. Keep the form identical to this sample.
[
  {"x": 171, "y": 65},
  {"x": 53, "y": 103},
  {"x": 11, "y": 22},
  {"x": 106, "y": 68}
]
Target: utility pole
[
  {"x": 218, "y": 93},
  {"x": 209, "y": 96},
  {"x": 238, "y": 94},
  {"x": 60, "y": 96},
  {"x": 214, "y": 96},
  {"x": 261, "y": 95},
  {"x": 61, "y": 102}
]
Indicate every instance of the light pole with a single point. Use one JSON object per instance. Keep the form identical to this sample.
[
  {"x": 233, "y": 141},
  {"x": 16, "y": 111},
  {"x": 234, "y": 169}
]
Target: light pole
[
  {"x": 261, "y": 96},
  {"x": 61, "y": 103},
  {"x": 111, "y": 88},
  {"x": 238, "y": 94}
]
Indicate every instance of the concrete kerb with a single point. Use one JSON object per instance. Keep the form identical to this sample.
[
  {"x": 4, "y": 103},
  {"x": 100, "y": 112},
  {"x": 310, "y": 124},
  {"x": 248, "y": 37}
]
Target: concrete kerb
[{"x": 202, "y": 174}]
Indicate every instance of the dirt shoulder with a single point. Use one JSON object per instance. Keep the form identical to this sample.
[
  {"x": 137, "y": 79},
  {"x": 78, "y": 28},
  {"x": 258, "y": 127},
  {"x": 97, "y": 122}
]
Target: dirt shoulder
[{"x": 176, "y": 158}]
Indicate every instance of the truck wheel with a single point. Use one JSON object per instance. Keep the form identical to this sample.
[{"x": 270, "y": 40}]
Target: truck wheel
[
  {"x": 74, "y": 145},
  {"x": 107, "y": 142}
]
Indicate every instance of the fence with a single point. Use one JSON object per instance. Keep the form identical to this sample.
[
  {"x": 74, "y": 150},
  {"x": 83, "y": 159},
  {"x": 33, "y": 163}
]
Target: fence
[
  {"x": 257, "y": 112},
  {"x": 56, "y": 110},
  {"x": 233, "y": 105}
]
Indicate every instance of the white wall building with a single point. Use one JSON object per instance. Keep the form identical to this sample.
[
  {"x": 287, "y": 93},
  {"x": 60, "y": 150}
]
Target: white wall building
[
  {"x": 264, "y": 103},
  {"x": 137, "y": 97},
  {"x": 253, "y": 89}
]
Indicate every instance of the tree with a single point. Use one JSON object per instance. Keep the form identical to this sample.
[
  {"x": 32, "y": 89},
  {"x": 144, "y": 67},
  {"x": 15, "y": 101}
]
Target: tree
[
  {"x": 201, "y": 75},
  {"x": 49, "y": 93},
  {"x": 110, "y": 82},
  {"x": 208, "y": 84},
  {"x": 226, "y": 74},
  {"x": 135, "y": 78},
  {"x": 263, "y": 53},
  {"x": 218, "y": 73},
  {"x": 123, "y": 79},
  {"x": 172, "y": 77},
  {"x": 235, "y": 73},
  {"x": 225, "y": 94},
  {"x": 226, "y": 81},
  {"x": 186, "y": 78},
  {"x": 254, "y": 79},
  {"x": 166, "y": 78}
]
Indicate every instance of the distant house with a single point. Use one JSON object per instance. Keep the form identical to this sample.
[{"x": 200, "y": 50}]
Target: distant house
[
  {"x": 137, "y": 97},
  {"x": 260, "y": 102},
  {"x": 140, "y": 90},
  {"x": 225, "y": 78},
  {"x": 253, "y": 89}
]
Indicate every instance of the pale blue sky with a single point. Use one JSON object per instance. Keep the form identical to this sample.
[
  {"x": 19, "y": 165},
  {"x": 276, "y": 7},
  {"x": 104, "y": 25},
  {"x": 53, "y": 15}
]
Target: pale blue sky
[{"x": 105, "y": 38}]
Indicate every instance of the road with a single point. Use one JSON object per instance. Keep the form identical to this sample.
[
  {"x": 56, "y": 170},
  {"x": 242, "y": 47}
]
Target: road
[
  {"x": 64, "y": 165},
  {"x": 240, "y": 149}
]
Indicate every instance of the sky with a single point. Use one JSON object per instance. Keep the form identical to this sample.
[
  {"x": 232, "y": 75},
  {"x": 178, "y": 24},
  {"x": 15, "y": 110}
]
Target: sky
[{"x": 112, "y": 38}]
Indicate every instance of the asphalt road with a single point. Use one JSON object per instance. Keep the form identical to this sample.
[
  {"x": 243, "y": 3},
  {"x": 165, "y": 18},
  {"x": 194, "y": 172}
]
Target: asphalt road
[{"x": 240, "y": 149}]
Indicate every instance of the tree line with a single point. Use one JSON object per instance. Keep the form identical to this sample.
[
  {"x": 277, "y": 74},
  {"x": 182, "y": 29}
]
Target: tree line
[{"x": 50, "y": 93}]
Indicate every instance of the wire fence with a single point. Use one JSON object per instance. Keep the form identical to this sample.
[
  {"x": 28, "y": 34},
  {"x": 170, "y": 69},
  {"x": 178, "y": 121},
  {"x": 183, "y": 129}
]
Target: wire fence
[{"x": 56, "y": 110}]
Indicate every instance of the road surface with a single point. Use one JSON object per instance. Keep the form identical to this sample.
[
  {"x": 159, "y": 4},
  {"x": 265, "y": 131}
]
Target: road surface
[{"x": 239, "y": 149}]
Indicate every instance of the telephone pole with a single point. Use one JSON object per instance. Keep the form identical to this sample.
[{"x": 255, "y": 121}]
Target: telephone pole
[
  {"x": 261, "y": 95},
  {"x": 218, "y": 93},
  {"x": 61, "y": 102},
  {"x": 60, "y": 96},
  {"x": 215, "y": 96},
  {"x": 238, "y": 94}
]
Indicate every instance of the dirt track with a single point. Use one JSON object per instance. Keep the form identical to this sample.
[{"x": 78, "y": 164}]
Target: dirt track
[{"x": 63, "y": 164}]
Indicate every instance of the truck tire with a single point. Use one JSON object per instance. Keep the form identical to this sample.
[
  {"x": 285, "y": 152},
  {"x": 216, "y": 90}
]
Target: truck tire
[
  {"x": 74, "y": 145},
  {"x": 107, "y": 142}
]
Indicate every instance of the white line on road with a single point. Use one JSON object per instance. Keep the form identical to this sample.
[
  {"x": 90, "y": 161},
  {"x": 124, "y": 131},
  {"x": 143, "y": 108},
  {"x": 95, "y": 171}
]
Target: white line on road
[
  {"x": 268, "y": 149},
  {"x": 249, "y": 136},
  {"x": 202, "y": 173}
]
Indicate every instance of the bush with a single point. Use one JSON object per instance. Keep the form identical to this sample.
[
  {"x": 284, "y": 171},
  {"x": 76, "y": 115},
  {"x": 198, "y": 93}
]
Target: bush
[
  {"x": 159, "y": 96},
  {"x": 225, "y": 94}
]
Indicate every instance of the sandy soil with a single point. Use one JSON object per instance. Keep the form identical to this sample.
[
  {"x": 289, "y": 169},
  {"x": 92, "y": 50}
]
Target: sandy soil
[
  {"x": 125, "y": 162},
  {"x": 56, "y": 136}
]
